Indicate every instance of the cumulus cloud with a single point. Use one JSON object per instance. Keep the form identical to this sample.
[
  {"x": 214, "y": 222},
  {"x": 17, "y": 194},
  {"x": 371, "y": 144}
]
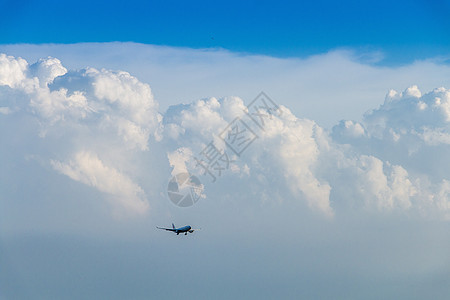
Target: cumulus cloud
[
  {"x": 410, "y": 130},
  {"x": 47, "y": 70},
  {"x": 326, "y": 87},
  {"x": 12, "y": 70},
  {"x": 97, "y": 126},
  {"x": 286, "y": 146},
  {"x": 328, "y": 171},
  {"x": 88, "y": 120}
]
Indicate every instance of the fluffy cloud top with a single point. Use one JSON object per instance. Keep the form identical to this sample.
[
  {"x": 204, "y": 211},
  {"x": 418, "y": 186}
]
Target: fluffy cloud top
[{"x": 12, "y": 71}]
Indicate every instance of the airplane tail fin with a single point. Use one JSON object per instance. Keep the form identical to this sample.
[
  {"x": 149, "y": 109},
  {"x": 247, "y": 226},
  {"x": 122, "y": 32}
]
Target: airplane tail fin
[{"x": 173, "y": 226}]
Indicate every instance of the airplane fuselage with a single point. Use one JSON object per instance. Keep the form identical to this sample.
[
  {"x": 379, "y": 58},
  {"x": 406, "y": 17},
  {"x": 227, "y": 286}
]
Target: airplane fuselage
[{"x": 182, "y": 229}]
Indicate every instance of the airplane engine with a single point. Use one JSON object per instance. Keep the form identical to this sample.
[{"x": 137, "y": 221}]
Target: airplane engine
[{"x": 191, "y": 231}]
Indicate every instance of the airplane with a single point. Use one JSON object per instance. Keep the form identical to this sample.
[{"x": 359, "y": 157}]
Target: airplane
[{"x": 184, "y": 229}]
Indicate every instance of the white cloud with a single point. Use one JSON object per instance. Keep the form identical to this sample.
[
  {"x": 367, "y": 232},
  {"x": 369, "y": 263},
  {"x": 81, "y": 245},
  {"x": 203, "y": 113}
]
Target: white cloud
[
  {"x": 358, "y": 165},
  {"x": 46, "y": 70},
  {"x": 84, "y": 115},
  {"x": 383, "y": 186},
  {"x": 300, "y": 152},
  {"x": 87, "y": 168},
  {"x": 178, "y": 159},
  {"x": 410, "y": 129},
  {"x": 106, "y": 118},
  {"x": 294, "y": 145},
  {"x": 326, "y": 87},
  {"x": 12, "y": 70}
]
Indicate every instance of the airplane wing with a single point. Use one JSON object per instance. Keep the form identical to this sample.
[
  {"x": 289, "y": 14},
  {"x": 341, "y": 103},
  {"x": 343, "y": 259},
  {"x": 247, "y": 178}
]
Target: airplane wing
[{"x": 168, "y": 229}]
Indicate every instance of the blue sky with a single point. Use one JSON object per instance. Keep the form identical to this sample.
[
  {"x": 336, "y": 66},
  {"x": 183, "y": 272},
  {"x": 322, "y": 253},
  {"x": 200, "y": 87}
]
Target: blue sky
[{"x": 403, "y": 30}]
